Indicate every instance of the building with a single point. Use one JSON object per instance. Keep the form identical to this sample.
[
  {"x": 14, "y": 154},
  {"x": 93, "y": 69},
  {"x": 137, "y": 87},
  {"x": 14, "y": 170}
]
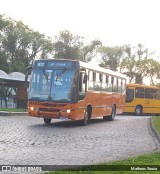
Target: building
[{"x": 13, "y": 90}]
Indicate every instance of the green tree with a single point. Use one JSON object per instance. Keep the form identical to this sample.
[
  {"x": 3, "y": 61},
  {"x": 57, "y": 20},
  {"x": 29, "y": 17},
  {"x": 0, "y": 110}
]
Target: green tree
[
  {"x": 90, "y": 51},
  {"x": 69, "y": 46},
  {"x": 110, "y": 57},
  {"x": 22, "y": 45},
  {"x": 135, "y": 62},
  {"x": 4, "y": 64},
  {"x": 153, "y": 71}
]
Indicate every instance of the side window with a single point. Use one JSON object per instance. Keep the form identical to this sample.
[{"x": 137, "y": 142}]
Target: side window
[
  {"x": 129, "y": 95},
  {"x": 139, "y": 93},
  {"x": 123, "y": 84},
  {"x": 90, "y": 75},
  {"x": 119, "y": 85},
  {"x": 104, "y": 82},
  {"x": 82, "y": 85},
  {"x": 94, "y": 76},
  {"x": 107, "y": 81},
  {"x": 149, "y": 93},
  {"x": 91, "y": 83},
  {"x": 115, "y": 84},
  {"x": 109, "y": 84},
  {"x": 156, "y": 94},
  {"x": 97, "y": 85}
]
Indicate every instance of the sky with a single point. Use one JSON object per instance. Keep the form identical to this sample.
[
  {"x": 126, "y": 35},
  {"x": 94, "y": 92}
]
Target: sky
[{"x": 114, "y": 22}]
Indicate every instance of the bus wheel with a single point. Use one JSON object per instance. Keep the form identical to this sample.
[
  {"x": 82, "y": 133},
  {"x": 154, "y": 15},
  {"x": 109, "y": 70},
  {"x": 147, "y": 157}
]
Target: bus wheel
[
  {"x": 111, "y": 117},
  {"x": 138, "y": 110},
  {"x": 47, "y": 120},
  {"x": 85, "y": 119}
]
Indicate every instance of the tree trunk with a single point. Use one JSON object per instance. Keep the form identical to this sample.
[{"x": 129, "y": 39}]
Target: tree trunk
[{"x": 139, "y": 79}]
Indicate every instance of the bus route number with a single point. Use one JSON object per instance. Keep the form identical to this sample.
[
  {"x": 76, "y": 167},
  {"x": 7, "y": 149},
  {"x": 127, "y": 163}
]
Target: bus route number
[{"x": 40, "y": 64}]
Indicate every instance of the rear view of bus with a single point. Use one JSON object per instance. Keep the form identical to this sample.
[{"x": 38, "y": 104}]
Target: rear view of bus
[{"x": 59, "y": 89}]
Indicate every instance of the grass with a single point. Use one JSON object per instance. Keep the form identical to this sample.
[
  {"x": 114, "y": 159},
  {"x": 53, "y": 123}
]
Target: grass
[
  {"x": 156, "y": 122},
  {"x": 12, "y": 110},
  {"x": 119, "y": 167},
  {"x": 123, "y": 166}
]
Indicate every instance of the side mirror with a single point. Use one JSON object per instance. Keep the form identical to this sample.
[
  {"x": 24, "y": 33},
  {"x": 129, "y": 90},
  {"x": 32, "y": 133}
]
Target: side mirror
[{"x": 28, "y": 72}]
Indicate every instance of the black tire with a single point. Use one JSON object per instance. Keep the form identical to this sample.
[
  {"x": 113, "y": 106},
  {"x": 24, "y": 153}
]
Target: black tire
[
  {"x": 47, "y": 120},
  {"x": 85, "y": 120},
  {"x": 138, "y": 110},
  {"x": 111, "y": 117}
]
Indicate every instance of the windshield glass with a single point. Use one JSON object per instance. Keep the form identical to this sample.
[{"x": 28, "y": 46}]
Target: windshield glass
[
  {"x": 53, "y": 85},
  {"x": 129, "y": 95}
]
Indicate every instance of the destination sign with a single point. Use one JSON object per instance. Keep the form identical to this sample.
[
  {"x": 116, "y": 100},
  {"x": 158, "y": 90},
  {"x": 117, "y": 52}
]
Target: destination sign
[
  {"x": 59, "y": 64},
  {"x": 55, "y": 64}
]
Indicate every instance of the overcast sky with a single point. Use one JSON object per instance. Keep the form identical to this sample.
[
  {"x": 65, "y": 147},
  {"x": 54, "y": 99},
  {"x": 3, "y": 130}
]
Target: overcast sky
[{"x": 114, "y": 22}]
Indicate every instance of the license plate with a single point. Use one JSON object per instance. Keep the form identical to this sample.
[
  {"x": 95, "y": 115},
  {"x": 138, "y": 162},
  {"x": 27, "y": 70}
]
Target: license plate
[{"x": 63, "y": 118}]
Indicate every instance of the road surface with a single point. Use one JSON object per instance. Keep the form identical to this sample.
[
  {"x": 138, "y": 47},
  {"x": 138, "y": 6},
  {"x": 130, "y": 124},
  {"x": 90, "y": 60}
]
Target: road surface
[{"x": 28, "y": 141}]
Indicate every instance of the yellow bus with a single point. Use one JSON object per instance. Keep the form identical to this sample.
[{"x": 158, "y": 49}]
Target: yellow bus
[
  {"x": 74, "y": 90},
  {"x": 142, "y": 99}
]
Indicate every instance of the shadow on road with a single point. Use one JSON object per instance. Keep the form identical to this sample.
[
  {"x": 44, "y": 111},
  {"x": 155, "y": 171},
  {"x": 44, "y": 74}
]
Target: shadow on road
[
  {"x": 55, "y": 123},
  {"x": 69, "y": 123},
  {"x": 133, "y": 115}
]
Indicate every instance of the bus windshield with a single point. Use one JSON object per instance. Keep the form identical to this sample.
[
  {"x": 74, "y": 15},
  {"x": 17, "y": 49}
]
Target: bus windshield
[
  {"x": 53, "y": 85},
  {"x": 129, "y": 95}
]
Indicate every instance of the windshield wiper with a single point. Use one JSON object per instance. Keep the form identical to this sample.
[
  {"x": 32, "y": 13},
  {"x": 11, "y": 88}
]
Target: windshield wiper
[
  {"x": 45, "y": 74},
  {"x": 49, "y": 97},
  {"x": 64, "y": 100},
  {"x": 35, "y": 98},
  {"x": 60, "y": 74}
]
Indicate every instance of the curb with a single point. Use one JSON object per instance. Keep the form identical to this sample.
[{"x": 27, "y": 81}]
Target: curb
[
  {"x": 3, "y": 113},
  {"x": 157, "y": 135}
]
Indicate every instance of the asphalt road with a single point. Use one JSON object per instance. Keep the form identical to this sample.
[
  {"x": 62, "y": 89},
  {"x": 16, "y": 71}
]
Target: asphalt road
[{"x": 28, "y": 141}]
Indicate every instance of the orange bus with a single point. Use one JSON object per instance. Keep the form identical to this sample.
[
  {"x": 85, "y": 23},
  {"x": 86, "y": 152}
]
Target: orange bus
[
  {"x": 142, "y": 99},
  {"x": 75, "y": 90}
]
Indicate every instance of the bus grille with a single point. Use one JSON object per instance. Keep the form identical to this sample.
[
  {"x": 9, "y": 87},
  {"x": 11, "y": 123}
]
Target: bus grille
[{"x": 49, "y": 110}]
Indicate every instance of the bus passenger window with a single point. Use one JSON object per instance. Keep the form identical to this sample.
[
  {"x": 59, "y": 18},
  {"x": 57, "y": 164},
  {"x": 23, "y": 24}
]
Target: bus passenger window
[
  {"x": 109, "y": 84},
  {"x": 115, "y": 84},
  {"x": 97, "y": 84},
  {"x": 104, "y": 84},
  {"x": 156, "y": 94},
  {"x": 100, "y": 77},
  {"x": 94, "y": 76},
  {"x": 123, "y": 82},
  {"x": 82, "y": 85},
  {"x": 112, "y": 80},
  {"x": 149, "y": 93},
  {"x": 119, "y": 85},
  {"x": 90, "y": 76},
  {"x": 139, "y": 93},
  {"x": 84, "y": 81},
  {"x": 106, "y": 79},
  {"x": 90, "y": 82}
]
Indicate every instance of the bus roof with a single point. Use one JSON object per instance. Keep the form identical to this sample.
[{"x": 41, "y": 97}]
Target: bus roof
[
  {"x": 92, "y": 67},
  {"x": 140, "y": 85},
  {"x": 100, "y": 69}
]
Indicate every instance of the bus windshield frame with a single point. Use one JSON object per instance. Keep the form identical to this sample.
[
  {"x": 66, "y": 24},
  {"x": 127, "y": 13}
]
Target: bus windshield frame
[{"x": 58, "y": 84}]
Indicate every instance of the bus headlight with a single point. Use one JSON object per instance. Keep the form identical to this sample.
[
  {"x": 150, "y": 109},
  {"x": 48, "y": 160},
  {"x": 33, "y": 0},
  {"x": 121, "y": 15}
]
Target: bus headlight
[
  {"x": 33, "y": 108},
  {"x": 68, "y": 111}
]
